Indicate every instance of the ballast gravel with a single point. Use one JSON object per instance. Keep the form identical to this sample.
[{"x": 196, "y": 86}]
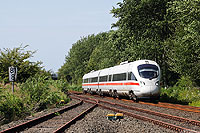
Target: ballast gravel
[
  {"x": 97, "y": 122},
  {"x": 38, "y": 114},
  {"x": 175, "y": 112}
]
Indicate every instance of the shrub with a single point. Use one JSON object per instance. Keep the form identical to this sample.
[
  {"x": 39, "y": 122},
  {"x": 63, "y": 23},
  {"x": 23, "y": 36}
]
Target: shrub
[
  {"x": 185, "y": 82},
  {"x": 40, "y": 93},
  {"x": 61, "y": 84},
  {"x": 195, "y": 103},
  {"x": 75, "y": 87},
  {"x": 18, "y": 57},
  {"x": 12, "y": 107},
  {"x": 183, "y": 92}
]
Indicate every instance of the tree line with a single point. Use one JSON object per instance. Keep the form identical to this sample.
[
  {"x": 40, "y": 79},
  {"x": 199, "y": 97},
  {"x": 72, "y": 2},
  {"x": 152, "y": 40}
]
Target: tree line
[
  {"x": 166, "y": 31},
  {"x": 19, "y": 57}
]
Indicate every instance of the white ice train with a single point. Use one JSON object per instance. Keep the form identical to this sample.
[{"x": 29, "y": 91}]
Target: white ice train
[{"x": 137, "y": 80}]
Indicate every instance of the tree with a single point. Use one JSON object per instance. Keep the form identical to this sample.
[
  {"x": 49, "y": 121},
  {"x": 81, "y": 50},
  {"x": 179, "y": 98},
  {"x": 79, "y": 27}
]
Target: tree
[
  {"x": 76, "y": 61},
  {"x": 18, "y": 57},
  {"x": 103, "y": 55},
  {"x": 184, "y": 44},
  {"x": 166, "y": 31},
  {"x": 142, "y": 31}
]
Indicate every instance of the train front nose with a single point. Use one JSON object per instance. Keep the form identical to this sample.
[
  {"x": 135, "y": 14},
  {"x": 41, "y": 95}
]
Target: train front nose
[
  {"x": 150, "y": 89},
  {"x": 154, "y": 91},
  {"x": 150, "y": 77}
]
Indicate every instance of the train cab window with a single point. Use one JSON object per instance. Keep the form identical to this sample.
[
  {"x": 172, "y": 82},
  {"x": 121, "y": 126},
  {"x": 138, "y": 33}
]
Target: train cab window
[
  {"x": 95, "y": 79},
  {"x": 103, "y": 78},
  {"x": 148, "y": 71},
  {"x": 119, "y": 77},
  {"x": 131, "y": 76},
  {"x": 85, "y": 80}
]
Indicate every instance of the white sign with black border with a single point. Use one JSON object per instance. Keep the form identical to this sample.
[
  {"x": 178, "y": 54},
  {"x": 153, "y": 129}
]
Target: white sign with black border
[{"x": 12, "y": 74}]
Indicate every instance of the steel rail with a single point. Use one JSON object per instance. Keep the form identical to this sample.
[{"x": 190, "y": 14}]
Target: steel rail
[
  {"x": 85, "y": 99},
  {"x": 181, "y": 106},
  {"x": 180, "y": 119},
  {"x": 157, "y": 122},
  {"x": 35, "y": 121},
  {"x": 186, "y": 108},
  {"x": 68, "y": 124},
  {"x": 163, "y": 105}
]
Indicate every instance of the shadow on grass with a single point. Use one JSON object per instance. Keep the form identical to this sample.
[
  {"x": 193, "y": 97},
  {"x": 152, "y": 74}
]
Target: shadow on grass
[{"x": 166, "y": 98}]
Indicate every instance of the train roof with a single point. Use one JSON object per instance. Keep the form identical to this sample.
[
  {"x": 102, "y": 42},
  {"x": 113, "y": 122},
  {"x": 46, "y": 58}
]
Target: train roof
[
  {"x": 123, "y": 67},
  {"x": 91, "y": 74}
]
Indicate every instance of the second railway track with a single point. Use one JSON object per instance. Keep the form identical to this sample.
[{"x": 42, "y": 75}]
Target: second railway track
[
  {"x": 54, "y": 122},
  {"x": 158, "y": 104},
  {"x": 168, "y": 121}
]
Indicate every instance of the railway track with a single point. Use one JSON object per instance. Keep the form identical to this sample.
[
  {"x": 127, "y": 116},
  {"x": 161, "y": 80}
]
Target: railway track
[
  {"x": 175, "y": 106},
  {"x": 60, "y": 120},
  {"x": 168, "y": 121},
  {"x": 54, "y": 122},
  {"x": 169, "y": 105},
  {"x": 159, "y": 104}
]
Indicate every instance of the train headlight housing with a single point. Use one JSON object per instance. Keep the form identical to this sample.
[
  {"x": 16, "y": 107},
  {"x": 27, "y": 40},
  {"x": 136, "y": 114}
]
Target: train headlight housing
[{"x": 157, "y": 83}]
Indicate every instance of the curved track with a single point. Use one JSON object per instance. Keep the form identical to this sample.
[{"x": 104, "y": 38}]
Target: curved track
[
  {"x": 175, "y": 106},
  {"x": 54, "y": 122},
  {"x": 168, "y": 121},
  {"x": 159, "y": 104}
]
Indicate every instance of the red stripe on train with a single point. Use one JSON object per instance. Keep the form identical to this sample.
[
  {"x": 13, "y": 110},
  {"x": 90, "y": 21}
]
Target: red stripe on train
[{"x": 129, "y": 83}]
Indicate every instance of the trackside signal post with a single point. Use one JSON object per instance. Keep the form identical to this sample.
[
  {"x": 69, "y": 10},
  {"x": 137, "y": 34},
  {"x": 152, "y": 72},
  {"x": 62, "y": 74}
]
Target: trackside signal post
[{"x": 12, "y": 75}]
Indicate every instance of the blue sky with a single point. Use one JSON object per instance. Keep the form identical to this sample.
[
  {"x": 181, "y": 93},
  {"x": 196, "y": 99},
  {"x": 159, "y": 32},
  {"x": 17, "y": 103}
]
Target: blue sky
[{"x": 52, "y": 26}]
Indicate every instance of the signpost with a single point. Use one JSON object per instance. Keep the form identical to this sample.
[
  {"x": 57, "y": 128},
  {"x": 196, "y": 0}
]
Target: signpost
[{"x": 12, "y": 75}]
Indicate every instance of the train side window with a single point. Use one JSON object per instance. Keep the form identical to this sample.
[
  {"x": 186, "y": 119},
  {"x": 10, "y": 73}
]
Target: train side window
[
  {"x": 95, "y": 79},
  {"x": 119, "y": 77},
  {"x": 103, "y": 78},
  {"x": 131, "y": 76}
]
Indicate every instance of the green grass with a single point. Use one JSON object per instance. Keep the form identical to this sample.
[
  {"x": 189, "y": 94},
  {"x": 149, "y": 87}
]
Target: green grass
[
  {"x": 183, "y": 92},
  {"x": 36, "y": 94},
  {"x": 181, "y": 95}
]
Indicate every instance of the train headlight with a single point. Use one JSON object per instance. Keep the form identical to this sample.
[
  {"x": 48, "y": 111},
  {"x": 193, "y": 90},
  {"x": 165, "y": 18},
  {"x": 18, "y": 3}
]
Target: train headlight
[{"x": 157, "y": 83}]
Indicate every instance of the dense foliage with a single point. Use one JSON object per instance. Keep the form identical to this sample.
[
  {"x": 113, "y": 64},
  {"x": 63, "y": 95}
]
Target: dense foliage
[
  {"x": 19, "y": 58},
  {"x": 86, "y": 55},
  {"x": 182, "y": 92},
  {"x": 34, "y": 89},
  {"x": 184, "y": 45},
  {"x": 166, "y": 31},
  {"x": 37, "y": 93}
]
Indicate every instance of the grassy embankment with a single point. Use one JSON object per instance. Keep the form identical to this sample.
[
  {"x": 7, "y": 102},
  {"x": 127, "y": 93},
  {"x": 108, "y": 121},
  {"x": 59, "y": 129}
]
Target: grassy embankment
[
  {"x": 36, "y": 94},
  {"x": 187, "y": 96},
  {"x": 183, "y": 92}
]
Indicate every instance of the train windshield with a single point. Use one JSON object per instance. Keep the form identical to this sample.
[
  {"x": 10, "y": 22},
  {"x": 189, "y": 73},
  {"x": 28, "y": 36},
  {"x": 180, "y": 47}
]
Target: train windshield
[{"x": 148, "y": 71}]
